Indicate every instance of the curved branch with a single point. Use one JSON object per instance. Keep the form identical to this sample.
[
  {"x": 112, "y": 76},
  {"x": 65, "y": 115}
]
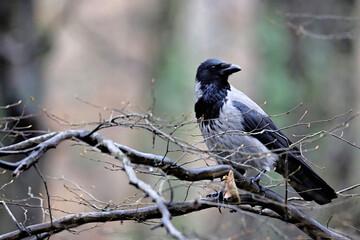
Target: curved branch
[
  {"x": 75, "y": 220},
  {"x": 146, "y": 188},
  {"x": 44, "y": 230},
  {"x": 261, "y": 196}
]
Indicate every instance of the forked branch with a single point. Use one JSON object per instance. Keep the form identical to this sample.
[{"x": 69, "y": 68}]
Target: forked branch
[{"x": 273, "y": 205}]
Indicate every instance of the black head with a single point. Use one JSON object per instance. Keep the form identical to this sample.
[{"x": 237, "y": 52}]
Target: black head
[{"x": 215, "y": 71}]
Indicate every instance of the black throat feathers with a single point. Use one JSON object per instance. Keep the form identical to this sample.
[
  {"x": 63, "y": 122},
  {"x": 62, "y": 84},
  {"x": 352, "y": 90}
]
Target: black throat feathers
[{"x": 208, "y": 106}]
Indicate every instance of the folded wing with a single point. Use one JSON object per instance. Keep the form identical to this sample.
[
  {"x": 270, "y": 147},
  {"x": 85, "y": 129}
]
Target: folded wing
[{"x": 290, "y": 164}]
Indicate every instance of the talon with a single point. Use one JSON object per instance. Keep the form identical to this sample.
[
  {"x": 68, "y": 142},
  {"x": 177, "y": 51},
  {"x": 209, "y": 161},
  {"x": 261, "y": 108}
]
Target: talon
[
  {"x": 220, "y": 198},
  {"x": 257, "y": 178},
  {"x": 218, "y": 194}
]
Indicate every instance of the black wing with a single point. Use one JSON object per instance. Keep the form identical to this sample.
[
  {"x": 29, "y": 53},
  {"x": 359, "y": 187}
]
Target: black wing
[
  {"x": 302, "y": 178},
  {"x": 262, "y": 128}
]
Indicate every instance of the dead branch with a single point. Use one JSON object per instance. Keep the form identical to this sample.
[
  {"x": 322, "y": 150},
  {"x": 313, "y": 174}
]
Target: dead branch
[
  {"x": 137, "y": 214},
  {"x": 260, "y": 195}
]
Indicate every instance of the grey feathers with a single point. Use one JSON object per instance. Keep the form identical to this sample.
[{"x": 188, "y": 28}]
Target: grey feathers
[{"x": 242, "y": 134}]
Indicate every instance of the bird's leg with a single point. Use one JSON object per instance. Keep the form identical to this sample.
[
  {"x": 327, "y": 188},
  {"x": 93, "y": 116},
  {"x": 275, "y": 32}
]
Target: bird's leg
[
  {"x": 257, "y": 178},
  {"x": 220, "y": 198},
  {"x": 218, "y": 194}
]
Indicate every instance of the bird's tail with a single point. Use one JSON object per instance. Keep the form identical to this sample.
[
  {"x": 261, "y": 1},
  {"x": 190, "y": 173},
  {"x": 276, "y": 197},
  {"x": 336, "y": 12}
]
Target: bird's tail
[{"x": 305, "y": 181}]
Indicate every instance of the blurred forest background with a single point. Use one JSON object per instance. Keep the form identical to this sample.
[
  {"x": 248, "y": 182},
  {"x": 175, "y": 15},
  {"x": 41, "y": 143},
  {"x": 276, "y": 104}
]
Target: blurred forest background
[{"x": 65, "y": 52}]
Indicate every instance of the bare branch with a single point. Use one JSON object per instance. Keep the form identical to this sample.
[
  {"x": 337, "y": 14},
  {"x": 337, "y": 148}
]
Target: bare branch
[
  {"x": 166, "y": 216},
  {"x": 348, "y": 188},
  {"x": 18, "y": 224},
  {"x": 75, "y": 220},
  {"x": 322, "y": 17},
  {"x": 267, "y": 198}
]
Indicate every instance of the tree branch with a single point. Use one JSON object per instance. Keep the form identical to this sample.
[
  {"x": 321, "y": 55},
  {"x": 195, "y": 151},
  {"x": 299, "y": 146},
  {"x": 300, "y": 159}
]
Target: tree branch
[
  {"x": 75, "y": 220},
  {"x": 260, "y": 195},
  {"x": 146, "y": 188}
]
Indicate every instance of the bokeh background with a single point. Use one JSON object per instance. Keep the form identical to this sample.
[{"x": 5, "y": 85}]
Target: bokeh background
[{"x": 65, "y": 52}]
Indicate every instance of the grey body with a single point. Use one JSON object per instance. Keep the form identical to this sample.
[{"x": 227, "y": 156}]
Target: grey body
[
  {"x": 227, "y": 135},
  {"x": 241, "y": 134}
]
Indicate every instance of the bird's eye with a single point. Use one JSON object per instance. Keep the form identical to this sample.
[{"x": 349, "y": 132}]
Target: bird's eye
[{"x": 212, "y": 68}]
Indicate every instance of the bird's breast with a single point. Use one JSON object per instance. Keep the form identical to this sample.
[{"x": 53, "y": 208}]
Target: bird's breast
[{"x": 226, "y": 135}]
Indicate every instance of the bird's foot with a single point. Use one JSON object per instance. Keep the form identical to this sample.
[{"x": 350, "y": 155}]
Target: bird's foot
[
  {"x": 257, "y": 178},
  {"x": 216, "y": 194},
  {"x": 256, "y": 181},
  {"x": 220, "y": 198}
]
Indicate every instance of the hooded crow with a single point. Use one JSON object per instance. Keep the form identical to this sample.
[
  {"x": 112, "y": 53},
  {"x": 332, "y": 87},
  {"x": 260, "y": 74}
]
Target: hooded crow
[{"x": 244, "y": 136}]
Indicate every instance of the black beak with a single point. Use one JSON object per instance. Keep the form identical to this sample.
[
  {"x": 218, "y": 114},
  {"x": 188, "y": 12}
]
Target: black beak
[{"x": 229, "y": 69}]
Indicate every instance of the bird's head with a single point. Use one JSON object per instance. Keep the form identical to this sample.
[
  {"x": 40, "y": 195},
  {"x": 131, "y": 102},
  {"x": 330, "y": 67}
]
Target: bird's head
[{"x": 215, "y": 71}]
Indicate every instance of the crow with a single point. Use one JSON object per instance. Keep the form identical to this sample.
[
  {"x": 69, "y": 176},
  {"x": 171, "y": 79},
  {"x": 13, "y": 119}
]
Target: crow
[{"x": 244, "y": 136}]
